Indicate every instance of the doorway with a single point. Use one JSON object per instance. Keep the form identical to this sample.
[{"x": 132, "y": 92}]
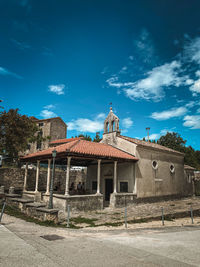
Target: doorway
[{"x": 108, "y": 188}]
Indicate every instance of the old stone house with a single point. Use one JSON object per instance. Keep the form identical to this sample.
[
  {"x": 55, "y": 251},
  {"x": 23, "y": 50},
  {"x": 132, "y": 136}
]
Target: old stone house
[
  {"x": 119, "y": 169},
  {"x": 50, "y": 129}
]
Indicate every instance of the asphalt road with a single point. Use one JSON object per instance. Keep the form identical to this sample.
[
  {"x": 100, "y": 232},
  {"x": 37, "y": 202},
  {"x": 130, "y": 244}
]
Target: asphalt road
[{"x": 22, "y": 244}]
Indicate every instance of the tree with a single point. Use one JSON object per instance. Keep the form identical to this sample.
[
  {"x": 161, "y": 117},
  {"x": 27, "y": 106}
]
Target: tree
[
  {"x": 97, "y": 138},
  {"x": 85, "y": 137},
  {"x": 16, "y": 132},
  {"x": 176, "y": 142},
  {"x": 173, "y": 141}
]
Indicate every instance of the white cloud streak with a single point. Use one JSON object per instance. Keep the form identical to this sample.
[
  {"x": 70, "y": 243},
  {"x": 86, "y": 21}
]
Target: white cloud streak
[
  {"x": 193, "y": 122},
  {"x": 57, "y": 89},
  {"x": 5, "y": 72},
  {"x": 169, "y": 114},
  {"x": 151, "y": 87},
  {"x": 46, "y": 114}
]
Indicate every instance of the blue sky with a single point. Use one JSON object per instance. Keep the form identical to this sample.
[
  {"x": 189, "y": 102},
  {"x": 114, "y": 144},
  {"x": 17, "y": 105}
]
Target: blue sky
[{"x": 71, "y": 58}]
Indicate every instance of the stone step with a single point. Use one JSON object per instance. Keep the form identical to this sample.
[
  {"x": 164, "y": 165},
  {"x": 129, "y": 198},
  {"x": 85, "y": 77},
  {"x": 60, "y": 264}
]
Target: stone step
[{"x": 36, "y": 205}]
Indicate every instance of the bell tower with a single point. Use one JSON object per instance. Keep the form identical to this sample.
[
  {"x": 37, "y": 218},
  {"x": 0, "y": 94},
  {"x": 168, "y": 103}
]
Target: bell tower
[{"x": 111, "y": 123}]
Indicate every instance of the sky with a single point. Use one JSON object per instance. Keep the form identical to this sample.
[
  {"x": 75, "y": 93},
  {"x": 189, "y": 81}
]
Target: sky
[{"x": 72, "y": 58}]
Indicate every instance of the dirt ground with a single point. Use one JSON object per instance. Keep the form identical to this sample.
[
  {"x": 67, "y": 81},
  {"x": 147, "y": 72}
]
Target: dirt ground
[{"x": 137, "y": 212}]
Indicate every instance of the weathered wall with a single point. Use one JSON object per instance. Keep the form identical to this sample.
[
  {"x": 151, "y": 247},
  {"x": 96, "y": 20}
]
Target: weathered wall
[
  {"x": 160, "y": 182},
  {"x": 58, "y": 130},
  {"x": 15, "y": 177},
  {"x": 150, "y": 182}
]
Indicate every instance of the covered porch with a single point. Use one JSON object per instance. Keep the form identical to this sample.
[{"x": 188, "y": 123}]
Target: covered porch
[{"x": 96, "y": 191}]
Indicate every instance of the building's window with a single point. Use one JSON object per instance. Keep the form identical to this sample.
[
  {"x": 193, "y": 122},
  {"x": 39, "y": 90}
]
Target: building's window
[
  {"x": 39, "y": 139},
  {"x": 94, "y": 185},
  {"x": 172, "y": 168},
  {"x": 28, "y": 146},
  {"x": 154, "y": 164},
  {"x": 41, "y": 124},
  {"x": 124, "y": 187}
]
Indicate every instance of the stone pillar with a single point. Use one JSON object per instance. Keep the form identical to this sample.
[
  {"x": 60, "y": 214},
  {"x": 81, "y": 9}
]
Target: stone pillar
[
  {"x": 25, "y": 177},
  {"x": 115, "y": 177},
  {"x": 48, "y": 176},
  {"x": 99, "y": 176},
  {"x": 37, "y": 176},
  {"x": 67, "y": 176}
]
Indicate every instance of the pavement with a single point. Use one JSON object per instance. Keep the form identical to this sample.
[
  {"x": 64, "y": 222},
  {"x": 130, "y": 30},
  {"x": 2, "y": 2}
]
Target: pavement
[{"x": 27, "y": 244}]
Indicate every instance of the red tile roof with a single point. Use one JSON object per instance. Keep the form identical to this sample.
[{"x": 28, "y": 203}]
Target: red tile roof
[
  {"x": 83, "y": 148},
  {"x": 65, "y": 140},
  {"x": 149, "y": 144}
]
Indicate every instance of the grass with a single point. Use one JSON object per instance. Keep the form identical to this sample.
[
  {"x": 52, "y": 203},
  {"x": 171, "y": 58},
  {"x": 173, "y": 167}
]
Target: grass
[
  {"x": 18, "y": 214},
  {"x": 80, "y": 220}
]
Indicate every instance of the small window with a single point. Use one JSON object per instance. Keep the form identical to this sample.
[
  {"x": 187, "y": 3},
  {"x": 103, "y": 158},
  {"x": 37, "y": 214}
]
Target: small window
[
  {"x": 124, "y": 187},
  {"x": 41, "y": 124},
  {"x": 154, "y": 164},
  {"x": 172, "y": 168},
  {"x": 94, "y": 185}
]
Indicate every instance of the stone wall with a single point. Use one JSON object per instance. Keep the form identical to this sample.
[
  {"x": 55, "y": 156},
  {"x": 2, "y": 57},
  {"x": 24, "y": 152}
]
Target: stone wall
[{"x": 15, "y": 177}]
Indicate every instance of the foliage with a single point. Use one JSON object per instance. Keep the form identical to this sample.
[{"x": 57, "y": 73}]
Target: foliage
[
  {"x": 176, "y": 142},
  {"x": 16, "y": 132},
  {"x": 89, "y": 138},
  {"x": 173, "y": 141},
  {"x": 97, "y": 138}
]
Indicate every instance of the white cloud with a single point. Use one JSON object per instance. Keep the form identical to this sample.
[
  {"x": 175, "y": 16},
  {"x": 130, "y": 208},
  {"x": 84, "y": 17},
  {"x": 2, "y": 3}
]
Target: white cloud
[
  {"x": 145, "y": 46},
  {"x": 4, "y": 71},
  {"x": 87, "y": 125},
  {"x": 127, "y": 123},
  {"x": 47, "y": 114},
  {"x": 192, "y": 50},
  {"x": 168, "y": 114},
  {"x": 57, "y": 89},
  {"x": 153, "y": 136},
  {"x": 101, "y": 116},
  {"x": 49, "y": 106},
  {"x": 198, "y": 110},
  {"x": 152, "y": 86},
  {"x": 193, "y": 122}
]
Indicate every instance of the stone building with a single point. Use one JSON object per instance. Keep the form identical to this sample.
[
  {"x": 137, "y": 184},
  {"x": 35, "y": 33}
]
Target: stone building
[
  {"x": 120, "y": 170},
  {"x": 50, "y": 129}
]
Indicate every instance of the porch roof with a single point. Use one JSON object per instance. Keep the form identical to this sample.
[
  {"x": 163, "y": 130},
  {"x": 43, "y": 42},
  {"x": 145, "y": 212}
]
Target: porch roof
[{"x": 84, "y": 149}]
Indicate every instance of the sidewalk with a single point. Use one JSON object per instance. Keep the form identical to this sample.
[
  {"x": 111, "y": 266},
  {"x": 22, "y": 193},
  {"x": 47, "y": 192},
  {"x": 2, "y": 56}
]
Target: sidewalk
[{"x": 14, "y": 251}]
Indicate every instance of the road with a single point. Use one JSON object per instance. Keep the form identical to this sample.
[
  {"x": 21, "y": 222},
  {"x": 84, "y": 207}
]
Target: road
[{"x": 22, "y": 244}]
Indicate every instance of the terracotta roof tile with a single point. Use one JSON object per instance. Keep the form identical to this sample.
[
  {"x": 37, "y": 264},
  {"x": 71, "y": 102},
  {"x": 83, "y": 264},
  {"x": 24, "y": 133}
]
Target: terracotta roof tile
[
  {"x": 83, "y": 147},
  {"x": 65, "y": 140},
  {"x": 148, "y": 144}
]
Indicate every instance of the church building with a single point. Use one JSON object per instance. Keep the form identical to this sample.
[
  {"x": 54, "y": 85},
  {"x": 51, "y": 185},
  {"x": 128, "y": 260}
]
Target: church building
[{"x": 120, "y": 170}]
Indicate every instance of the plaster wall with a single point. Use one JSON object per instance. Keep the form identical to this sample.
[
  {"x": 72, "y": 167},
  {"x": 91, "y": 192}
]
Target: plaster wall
[{"x": 159, "y": 182}]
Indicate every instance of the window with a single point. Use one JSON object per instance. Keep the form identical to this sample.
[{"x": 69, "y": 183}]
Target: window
[
  {"x": 172, "y": 168},
  {"x": 124, "y": 187},
  {"x": 154, "y": 164},
  {"x": 94, "y": 185},
  {"x": 41, "y": 124}
]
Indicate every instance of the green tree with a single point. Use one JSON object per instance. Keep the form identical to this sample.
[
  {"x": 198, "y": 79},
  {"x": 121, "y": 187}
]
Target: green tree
[
  {"x": 85, "y": 137},
  {"x": 97, "y": 138},
  {"x": 173, "y": 141},
  {"x": 16, "y": 132}
]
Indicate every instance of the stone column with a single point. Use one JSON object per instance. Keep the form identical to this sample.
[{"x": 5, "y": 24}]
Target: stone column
[
  {"x": 67, "y": 176},
  {"x": 37, "y": 176},
  {"x": 48, "y": 176},
  {"x": 115, "y": 177},
  {"x": 99, "y": 176},
  {"x": 25, "y": 177}
]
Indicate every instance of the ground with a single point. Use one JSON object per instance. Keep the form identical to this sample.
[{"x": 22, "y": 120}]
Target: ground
[{"x": 148, "y": 244}]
